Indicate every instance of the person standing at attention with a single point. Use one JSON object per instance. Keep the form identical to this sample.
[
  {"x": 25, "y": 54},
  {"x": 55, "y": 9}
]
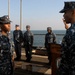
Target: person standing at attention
[
  {"x": 6, "y": 55},
  {"x": 28, "y": 43},
  {"x": 18, "y": 39},
  {"x": 67, "y": 63},
  {"x": 50, "y": 37}
]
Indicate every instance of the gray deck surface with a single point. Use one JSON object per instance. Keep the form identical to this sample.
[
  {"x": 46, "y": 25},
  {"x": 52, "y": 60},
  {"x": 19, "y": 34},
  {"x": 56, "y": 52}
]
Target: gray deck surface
[{"x": 38, "y": 65}]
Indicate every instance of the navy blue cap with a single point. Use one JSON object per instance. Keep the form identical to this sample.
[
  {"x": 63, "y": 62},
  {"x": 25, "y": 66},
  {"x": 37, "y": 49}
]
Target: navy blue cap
[
  {"x": 4, "y": 19},
  {"x": 16, "y": 25},
  {"x": 68, "y": 6},
  {"x": 49, "y": 28},
  {"x": 28, "y": 26}
]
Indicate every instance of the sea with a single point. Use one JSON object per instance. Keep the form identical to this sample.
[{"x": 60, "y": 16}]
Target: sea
[{"x": 39, "y": 36}]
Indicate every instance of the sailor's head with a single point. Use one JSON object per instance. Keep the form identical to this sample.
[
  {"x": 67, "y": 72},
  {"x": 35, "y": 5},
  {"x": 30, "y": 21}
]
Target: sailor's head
[
  {"x": 5, "y": 23},
  {"x": 49, "y": 29},
  {"x": 17, "y": 27},
  {"x": 69, "y": 11},
  {"x": 28, "y": 27}
]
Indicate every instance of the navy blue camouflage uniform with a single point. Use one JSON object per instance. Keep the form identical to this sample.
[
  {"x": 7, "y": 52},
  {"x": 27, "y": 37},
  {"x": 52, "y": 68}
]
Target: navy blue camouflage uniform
[
  {"x": 49, "y": 38},
  {"x": 67, "y": 64},
  {"x": 18, "y": 37},
  {"x": 28, "y": 43},
  {"x": 6, "y": 67}
]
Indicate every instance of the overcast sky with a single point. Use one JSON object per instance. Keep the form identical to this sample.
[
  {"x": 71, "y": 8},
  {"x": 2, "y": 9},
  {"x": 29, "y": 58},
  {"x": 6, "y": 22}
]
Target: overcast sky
[{"x": 39, "y": 14}]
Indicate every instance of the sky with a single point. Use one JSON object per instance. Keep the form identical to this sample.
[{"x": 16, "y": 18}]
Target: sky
[{"x": 39, "y": 14}]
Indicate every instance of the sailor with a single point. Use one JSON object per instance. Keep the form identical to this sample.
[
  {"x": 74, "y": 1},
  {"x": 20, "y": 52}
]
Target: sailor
[
  {"x": 67, "y": 64},
  {"x": 18, "y": 39},
  {"x": 28, "y": 43},
  {"x": 50, "y": 37},
  {"x": 6, "y": 57}
]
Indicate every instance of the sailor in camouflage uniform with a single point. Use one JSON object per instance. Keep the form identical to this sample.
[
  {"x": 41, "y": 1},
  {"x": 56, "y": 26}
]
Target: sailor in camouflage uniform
[
  {"x": 67, "y": 64},
  {"x": 18, "y": 39},
  {"x": 6, "y": 67},
  {"x": 28, "y": 43},
  {"x": 50, "y": 37}
]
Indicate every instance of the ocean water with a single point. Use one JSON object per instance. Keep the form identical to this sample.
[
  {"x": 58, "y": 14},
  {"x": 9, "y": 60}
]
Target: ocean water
[{"x": 39, "y": 36}]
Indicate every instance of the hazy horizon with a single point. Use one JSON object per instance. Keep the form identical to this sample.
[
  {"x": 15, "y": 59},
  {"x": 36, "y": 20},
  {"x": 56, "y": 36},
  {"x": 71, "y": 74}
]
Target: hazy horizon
[{"x": 39, "y": 14}]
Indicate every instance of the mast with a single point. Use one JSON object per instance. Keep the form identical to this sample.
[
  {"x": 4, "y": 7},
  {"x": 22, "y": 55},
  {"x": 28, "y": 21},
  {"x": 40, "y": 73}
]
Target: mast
[
  {"x": 9, "y": 8},
  {"x": 21, "y": 14}
]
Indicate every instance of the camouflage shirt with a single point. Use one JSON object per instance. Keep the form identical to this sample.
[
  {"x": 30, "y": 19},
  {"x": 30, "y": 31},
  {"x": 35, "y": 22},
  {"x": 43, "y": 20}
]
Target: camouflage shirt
[
  {"x": 67, "y": 64},
  {"x": 5, "y": 56},
  {"x": 50, "y": 38},
  {"x": 28, "y": 38}
]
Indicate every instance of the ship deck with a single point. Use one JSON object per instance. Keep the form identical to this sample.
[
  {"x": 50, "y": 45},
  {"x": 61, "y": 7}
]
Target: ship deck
[{"x": 38, "y": 65}]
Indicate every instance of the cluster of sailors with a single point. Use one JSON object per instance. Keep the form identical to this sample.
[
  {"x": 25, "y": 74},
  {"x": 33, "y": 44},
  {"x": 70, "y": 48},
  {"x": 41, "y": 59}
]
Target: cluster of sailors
[
  {"x": 28, "y": 39},
  {"x": 6, "y": 52},
  {"x": 67, "y": 62}
]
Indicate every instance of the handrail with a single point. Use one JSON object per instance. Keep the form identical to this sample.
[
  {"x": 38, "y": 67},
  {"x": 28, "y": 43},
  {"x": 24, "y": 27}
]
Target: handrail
[{"x": 44, "y": 34}]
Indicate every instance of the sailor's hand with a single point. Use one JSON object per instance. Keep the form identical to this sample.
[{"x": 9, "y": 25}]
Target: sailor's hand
[
  {"x": 13, "y": 64},
  {"x": 12, "y": 58},
  {"x": 64, "y": 21},
  {"x": 66, "y": 25}
]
